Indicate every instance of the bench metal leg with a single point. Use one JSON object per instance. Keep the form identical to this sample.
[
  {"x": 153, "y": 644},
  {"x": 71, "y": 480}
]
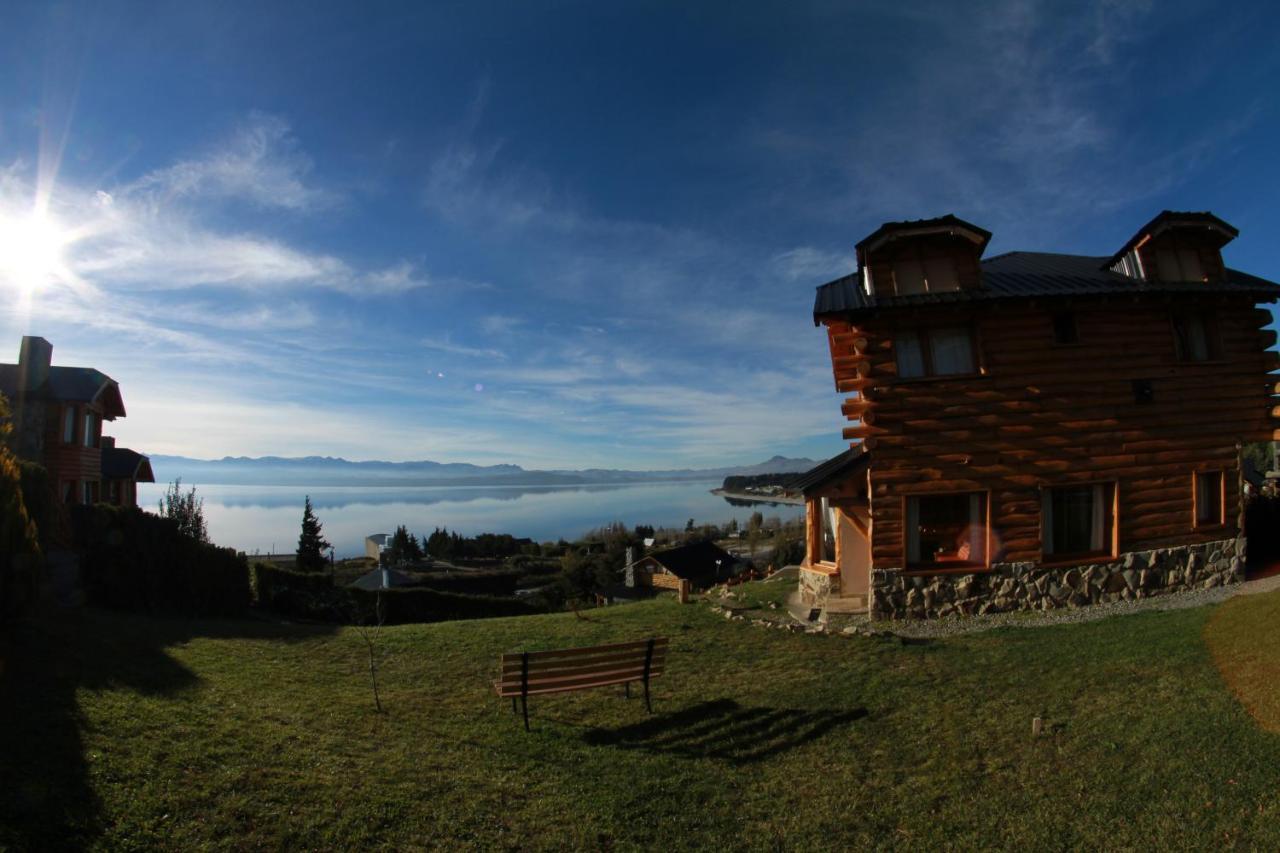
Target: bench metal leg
[
  {"x": 514, "y": 709},
  {"x": 626, "y": 688},
  {"x": 647, "y": 706},
  {"x": 524, "y": 701}
]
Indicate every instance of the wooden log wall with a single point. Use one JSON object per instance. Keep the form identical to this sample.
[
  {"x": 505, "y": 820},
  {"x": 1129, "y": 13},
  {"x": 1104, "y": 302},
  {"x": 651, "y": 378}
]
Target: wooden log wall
[{"x": 1040, "y": 414}]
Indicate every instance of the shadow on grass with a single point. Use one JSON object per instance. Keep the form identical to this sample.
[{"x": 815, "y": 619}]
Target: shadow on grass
[
  {"x": 46, "y": 798},
  {"x": 725, "y": 730}
]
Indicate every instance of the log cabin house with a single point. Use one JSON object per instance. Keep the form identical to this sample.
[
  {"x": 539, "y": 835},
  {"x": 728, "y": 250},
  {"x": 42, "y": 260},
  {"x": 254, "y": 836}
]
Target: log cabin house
[
  {"x": 1036, "y": 430},
  {"x": 58, "y": 415}
]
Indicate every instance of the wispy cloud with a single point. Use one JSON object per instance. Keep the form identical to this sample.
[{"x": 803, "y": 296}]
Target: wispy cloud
[
  {"x": 261, "y": 163},
  {"x": 446, "y": 344}
]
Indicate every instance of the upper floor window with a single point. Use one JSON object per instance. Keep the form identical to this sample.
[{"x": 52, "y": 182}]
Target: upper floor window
[
  {"x": 1179, "y": 265},
  {"x": 934, "y": 352},
  {"x": 827, "y": 531},
  {"x": 1209, "y": 498},
  {"x": 89, "y": 424},
  {"x": 924, "y": 275},
  {"x": 1078, "y": 521},
  {"x": 68, "y": 425},
  {"x": 946, "y": 531},
  {"x": 1196, "y": 336}
]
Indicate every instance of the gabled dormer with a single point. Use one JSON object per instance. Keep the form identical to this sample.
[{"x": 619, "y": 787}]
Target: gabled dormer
[
  {"x": 922, "y": 256},
  {"x": 1176, "y": 247}
]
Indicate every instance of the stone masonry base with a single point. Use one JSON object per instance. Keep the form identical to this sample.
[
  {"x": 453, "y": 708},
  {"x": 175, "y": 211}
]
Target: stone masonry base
[{"x": 1028, "y": 586}]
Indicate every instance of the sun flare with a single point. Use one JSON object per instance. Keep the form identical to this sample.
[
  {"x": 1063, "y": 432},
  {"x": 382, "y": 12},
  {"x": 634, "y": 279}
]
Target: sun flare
[{"x": 31, "y": 252}]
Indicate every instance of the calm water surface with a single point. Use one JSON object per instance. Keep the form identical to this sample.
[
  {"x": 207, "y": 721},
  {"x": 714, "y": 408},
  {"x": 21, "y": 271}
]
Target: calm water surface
[{"x": 266, "y": 519}]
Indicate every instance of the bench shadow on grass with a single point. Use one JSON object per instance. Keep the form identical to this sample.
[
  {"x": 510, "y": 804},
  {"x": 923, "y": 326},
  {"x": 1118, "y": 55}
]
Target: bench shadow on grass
[
  {"x": 723, "y": 729},
  {"x": 47, "y": 800}
]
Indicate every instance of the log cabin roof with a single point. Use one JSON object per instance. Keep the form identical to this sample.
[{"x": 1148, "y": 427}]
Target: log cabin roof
[
  {"x": 702, "y": 563},
  {"x": 68, "y": 385},
  {"x": 1023, "y": 275},
  {"x": 842, "y": 465},
  {"x": 121, "y": 463}
]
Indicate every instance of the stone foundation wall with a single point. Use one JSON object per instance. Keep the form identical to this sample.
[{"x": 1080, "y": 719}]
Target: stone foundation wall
[
  {"x": 815, "y": 587},
  {"x": 1027, "y": 586}
]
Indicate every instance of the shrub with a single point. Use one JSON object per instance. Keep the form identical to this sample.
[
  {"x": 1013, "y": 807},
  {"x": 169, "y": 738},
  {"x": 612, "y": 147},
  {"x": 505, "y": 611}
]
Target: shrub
[
  {"x": 133, "y": 560},
  {"x": 406, "y": 605}
]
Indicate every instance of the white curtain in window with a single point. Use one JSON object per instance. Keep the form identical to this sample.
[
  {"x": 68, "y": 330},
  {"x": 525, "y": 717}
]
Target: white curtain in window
[
  {"x": 977, "y": 530},
  {"x": 952, "y": 350},
  {"x": 828, "y": 532},
  {"x": 909, "y": 353},
  {"x": 1099, "y": 528}
]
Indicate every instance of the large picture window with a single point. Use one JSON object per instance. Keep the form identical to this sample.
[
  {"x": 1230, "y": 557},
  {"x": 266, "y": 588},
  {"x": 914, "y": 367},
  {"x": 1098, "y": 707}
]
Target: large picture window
[
  {"x": 1079, "y": 521},
  {"x": 1209, "y": 502},
  {"x": 946, "y": 351},
  {"x": 827, "y": 531},
  {"x": 946, "y": 531}
]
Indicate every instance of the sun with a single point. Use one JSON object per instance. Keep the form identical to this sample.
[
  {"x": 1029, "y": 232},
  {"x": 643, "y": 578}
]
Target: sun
[{"x": 31, "y": 252}]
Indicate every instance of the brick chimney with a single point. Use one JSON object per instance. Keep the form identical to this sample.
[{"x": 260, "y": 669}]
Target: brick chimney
[{"x": 33, "y": 363}]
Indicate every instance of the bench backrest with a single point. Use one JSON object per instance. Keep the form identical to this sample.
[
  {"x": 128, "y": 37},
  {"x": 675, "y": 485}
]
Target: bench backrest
[{"x": 575, "y": 669}]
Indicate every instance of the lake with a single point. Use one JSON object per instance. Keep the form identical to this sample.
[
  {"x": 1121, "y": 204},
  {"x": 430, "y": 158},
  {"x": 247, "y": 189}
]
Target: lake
[{"x": 267, "y": 519}]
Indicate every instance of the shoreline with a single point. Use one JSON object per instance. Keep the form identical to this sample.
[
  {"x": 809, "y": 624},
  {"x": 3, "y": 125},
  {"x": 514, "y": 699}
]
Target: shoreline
[{"x": 759, "y": 499}]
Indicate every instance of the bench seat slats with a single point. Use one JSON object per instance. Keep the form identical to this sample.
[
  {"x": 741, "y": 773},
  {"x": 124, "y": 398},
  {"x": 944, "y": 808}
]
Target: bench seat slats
[
  {"x": 621, "y": 666},
  {"x": 585, "y": 651}
]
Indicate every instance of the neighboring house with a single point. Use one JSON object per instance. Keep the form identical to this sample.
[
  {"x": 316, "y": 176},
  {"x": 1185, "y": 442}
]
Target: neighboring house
[
  {"x": 703, "y": 564},
  {"x": 375, "y": 544},
  {"x": 1037, "y": 430},
  {"x": 58, "y": 415}
]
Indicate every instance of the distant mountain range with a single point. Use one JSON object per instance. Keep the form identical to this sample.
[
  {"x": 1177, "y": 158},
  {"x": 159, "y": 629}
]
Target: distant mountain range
[{"x": 331, "y": 471}]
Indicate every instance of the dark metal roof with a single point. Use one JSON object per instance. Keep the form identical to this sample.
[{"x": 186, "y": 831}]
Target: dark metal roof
[
  {"x": 836, "y": 467},
  {"x": 950, "y": 221},
  {"x": 121, "y": 463},
  {"x": 1021, "y": 275},
  {"x": 373, "y": 580},
  {"x": 66, "y": 385}
]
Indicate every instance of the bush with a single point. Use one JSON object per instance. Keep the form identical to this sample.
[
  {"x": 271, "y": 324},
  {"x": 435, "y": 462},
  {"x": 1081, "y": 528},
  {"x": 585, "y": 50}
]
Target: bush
[
  {"x": 471, "y": 583},
  {"x": 1262, "y": 527},
  {"x": 133, "y": 560}
]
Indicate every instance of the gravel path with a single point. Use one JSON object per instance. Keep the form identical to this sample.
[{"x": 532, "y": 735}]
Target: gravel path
[{"x": 954, "y": 626}]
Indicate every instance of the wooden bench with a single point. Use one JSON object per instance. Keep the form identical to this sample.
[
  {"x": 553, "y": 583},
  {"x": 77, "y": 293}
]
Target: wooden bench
[{"x": 526, "y": 674}]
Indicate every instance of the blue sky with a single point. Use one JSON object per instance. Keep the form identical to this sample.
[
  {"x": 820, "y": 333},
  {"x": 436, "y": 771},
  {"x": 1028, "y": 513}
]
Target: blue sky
[{"x": 567, "y": 234}]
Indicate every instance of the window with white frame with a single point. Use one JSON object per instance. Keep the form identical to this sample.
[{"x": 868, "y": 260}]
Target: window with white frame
[
  {"x": 826, "y": 531},
  {"x": 946, "y": 531},
  {"x": 69, "y": 425},
  {"x": 1078, "y": 521},
  {"x": 89, "y": 429}
]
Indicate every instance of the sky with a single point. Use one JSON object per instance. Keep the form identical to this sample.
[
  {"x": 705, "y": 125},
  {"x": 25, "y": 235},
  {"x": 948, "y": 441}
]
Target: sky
[{"x": 566, "y": 234}]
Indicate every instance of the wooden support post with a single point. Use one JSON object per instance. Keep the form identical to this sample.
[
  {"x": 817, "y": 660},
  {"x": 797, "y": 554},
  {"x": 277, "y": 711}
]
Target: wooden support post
[{"x": 684, "y": 591}]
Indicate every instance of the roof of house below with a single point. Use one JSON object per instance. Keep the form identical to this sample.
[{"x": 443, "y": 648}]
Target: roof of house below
[
  {"x": 699, "y": 562},
  {"x": 121, "y": 463},
  {"x": 1022, "y": 275}
]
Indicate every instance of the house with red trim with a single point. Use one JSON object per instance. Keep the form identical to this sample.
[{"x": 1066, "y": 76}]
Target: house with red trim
[
  {"x": 1037, "y": 430},
  {"x": 58, "y": 415}
]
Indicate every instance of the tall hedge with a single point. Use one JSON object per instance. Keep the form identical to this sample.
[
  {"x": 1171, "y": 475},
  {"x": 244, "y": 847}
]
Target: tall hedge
[
  {"x": 134, "y": 560},
  {"x": 19, "y": 545}
]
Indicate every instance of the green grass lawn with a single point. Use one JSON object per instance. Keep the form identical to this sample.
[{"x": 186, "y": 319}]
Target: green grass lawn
[{"x": 124, "y": 732}]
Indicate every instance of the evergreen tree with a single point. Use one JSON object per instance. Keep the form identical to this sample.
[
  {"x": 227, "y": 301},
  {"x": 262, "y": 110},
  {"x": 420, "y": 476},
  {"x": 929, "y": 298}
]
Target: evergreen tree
[
  {"x": 404, "y": 547},
  {"x": 311, "y": 545}
]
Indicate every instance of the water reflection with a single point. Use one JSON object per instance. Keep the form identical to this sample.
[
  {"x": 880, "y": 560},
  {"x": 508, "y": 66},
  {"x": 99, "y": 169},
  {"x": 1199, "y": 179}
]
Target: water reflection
[{"x": 262, "y": 519}]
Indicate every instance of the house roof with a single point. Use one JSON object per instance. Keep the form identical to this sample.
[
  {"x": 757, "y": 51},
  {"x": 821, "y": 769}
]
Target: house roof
[
  {"x": 1021, "y": 275},
  {"x": 840, "y": 466},
  {"x": 695, "y": 562},
  {"x": 949, "y": 224},
  {"x": 68, "y": 385},
  {"x": 121, "y": 463}
]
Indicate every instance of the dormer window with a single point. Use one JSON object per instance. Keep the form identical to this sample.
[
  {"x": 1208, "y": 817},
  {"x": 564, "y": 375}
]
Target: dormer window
[
  {"x": 1179, "y": 265},
  {"x": 922, "y": 256},
  {"x": 924, "y": 275}
]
